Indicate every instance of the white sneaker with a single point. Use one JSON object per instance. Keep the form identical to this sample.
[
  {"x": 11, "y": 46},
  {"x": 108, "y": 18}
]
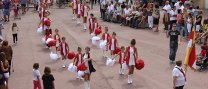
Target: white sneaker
[{"x": 63, "y": 66}]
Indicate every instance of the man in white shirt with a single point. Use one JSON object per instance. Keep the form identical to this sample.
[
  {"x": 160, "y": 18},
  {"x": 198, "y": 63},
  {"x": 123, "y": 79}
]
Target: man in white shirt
[
  {"x": 167, "y": 7},
  {"x": 179, "y": 77},
  {"x": 177, "y": 5}
]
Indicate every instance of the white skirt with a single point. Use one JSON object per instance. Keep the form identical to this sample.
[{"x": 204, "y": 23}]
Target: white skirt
[{"x": 189, "y": 27}]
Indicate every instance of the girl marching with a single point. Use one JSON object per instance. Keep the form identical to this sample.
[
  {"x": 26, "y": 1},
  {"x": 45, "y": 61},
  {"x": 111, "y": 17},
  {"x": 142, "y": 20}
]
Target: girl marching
[
  {"x": 91, "y": 20},
  {"x": 105, "y": 37},
  {"x": 95, "y": 26},
  {"x": 78, "y": 59},
  {"x": 121, "y": 60},
  {"x": 85, "y": 9},
  {"x": 78, "y": 11},
  {"x": 113, "y": 44},
  {"x": 64, "y": 49},
  {"x": 90, "y": 68},
  {"x": 74, "y": 9},
  {"x": 57, "y": 37},
  {"x": 131, "y": 56}
]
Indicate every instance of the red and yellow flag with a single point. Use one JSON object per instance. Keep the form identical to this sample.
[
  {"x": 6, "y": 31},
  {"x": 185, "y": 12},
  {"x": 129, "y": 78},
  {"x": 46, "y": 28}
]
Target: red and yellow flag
[{"x": 190, "y": 59}]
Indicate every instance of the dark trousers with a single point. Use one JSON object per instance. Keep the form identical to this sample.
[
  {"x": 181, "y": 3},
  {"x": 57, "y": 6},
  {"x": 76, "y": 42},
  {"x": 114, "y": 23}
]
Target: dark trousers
[
  {"x": 172, "y": 54},
  {"x": 14, "y": 38},
  {"x": 171, "y": 23},
  {"x": 180, "y": 87}
]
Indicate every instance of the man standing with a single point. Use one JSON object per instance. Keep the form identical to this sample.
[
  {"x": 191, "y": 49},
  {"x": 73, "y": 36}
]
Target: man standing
[
  {"x": 24, "y": 5},
  {"x": 179, "y": 77},
  {"x": 6, "y": 8},
  {"x": 174, "y": 38}
]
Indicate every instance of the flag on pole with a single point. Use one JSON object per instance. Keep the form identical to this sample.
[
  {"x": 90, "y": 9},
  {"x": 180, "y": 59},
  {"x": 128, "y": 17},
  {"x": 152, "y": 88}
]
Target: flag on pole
[{"x": 190, "y": 59}]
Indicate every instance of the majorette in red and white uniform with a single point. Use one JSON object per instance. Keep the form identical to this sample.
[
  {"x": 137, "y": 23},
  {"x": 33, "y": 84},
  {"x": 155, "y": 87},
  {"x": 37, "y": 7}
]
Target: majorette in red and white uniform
[
  {"x": 112, "y": 44},
  {"x": 64, "y": 49},
  {"x": 121, "y": 57},
  {"x": 84, "y": 13},
  {"x": 84, "y": 10},
  {"x": 78, "y": 59},
  {"x": 78, "y": 10},
  {"x": 58, "y": 39},
  {"x": 131, "y": 55},
  {"x": 95, "y": 26},
  {"x": 48, "y": 33},
  {"x": 91, "y": 20},
  {"x": 106, "y": 36}
]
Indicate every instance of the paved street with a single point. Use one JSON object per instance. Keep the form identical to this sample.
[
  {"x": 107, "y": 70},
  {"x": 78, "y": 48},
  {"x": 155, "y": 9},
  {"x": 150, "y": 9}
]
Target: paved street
[{"x": 152, "y": 47}]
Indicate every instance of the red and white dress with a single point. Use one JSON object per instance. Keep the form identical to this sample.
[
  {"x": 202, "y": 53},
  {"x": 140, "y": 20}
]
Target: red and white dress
[
  {"x": 113, "y": 44},
  {"x": 74, "y": 4},
  {"x": 78, "y": 10},
  {"x": 131, "y": 55},
  {"x": 106, "y": 36},
  {"x": 48, "y": 34},
  {"x": 84, "y": 10},
  {"x": 121, "y": 57},
  {"x": 64, "y": 49},
  {"x": 58, "y": 39},
  {"x": 91, "y": 20},
  {"x": 78, "y": 59},
  {"x": 95, "y": 26}
]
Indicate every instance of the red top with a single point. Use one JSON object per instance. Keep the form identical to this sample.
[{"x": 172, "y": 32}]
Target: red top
[
  {"x": 66, "y": 48},
  {"x": 77, "y": 58},
  {"x": 115, "y": 43}
]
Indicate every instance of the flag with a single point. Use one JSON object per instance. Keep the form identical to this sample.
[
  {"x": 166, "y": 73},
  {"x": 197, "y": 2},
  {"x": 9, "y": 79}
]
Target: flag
[{"x": 190, "y": 59}]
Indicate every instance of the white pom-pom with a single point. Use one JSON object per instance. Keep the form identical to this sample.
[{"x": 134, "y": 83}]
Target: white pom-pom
[
  {"x": 110, "y": 62},
  {"x": 40, "y": 30},
  {"x": 103, "y": 44},
  {"x": 95, "y": 39},
  {"x": 72, "y": 68},
  {"x": 124, "y": 66},
  {"x": 54, "y": 56},
  {"x": 80, "y": 73}
]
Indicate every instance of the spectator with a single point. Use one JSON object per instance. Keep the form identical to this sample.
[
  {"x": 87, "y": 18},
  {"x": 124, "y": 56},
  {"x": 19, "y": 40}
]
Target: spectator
[
  {"x": 7, "y": 49},
  {"x": 36, "y": 76},
  {"x": 24, "y": 5},
  {"x": 7, "y": 8},
  {"x": 156, "y": 17},
  {"x": 1, "y": 26},
  {"x": 179, "y": 77},
  {"x": 1, "y": 9},
  {"x": 15, "y": 29},
  {"x": 48, "y": 79},
  {"x": 3, "y": 71}
]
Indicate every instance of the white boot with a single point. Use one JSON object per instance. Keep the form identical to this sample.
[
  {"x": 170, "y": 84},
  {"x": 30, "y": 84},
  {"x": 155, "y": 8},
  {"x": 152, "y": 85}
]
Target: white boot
[
  {"x": 88, "y": 82},
  {"x": 85, "y": 85},
  {"x": 84, "y": 24},
  {"x": 129, "y": 81},
  {"x": 120, "y": 71},
  {"x": 78, "y": 22},
  {"x": 64, "y": 63}
]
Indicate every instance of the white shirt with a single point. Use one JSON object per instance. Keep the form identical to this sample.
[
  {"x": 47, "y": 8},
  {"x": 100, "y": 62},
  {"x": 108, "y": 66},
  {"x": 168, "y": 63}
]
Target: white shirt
[
  {"x": 126, "y": 11},
  {"x": 177, "y": 5},
  {"x": 182, "y": 7},
  {"x": 35, "y": 74},
  {"x": 173, "y": 15},
  {"x": 180, "y": 80},
  {"x": 79, "y": 8},
  {"x": 167, "y": 8},
  {"x": 120, "y": 1},
  {"x": 112, "y": 44},
  {"x": 132, "y": 58},
  {"x": 15, "y": 30},
  {"x": 110, "y": 8},
  {"x": 64, "y": 48}
]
